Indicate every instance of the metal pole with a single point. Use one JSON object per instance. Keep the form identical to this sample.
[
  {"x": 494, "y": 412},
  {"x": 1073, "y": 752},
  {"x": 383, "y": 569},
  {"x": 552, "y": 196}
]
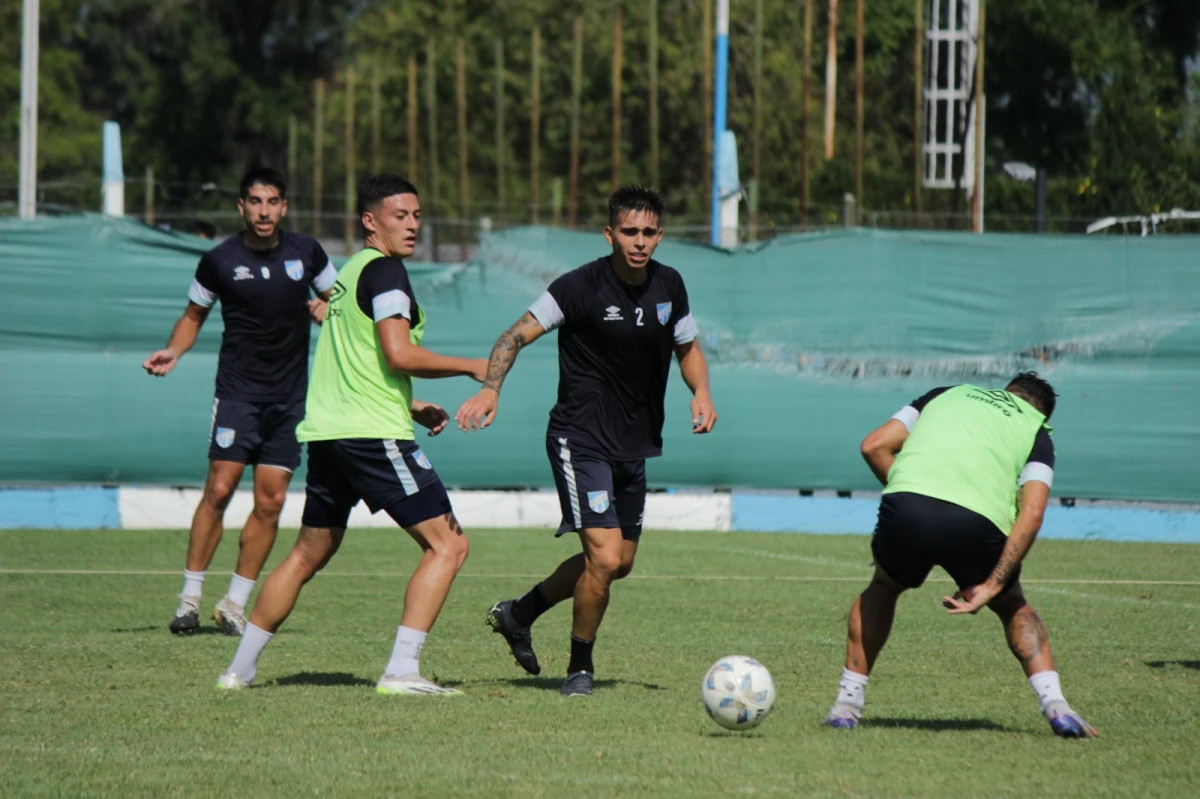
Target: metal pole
[
  {"x": 27, "y": 195},
  {"x": 618, "y": 52},
  {"x": 719, "y": 94},
  {"x": 756, "y": 141},
  {"x": 831, "y": 81},
  {"x": 918, "y": 104},
  {"x": 654, "y": 93},
  {"x": 980, "y": 118},
  {"x": 350, "y": 222}
]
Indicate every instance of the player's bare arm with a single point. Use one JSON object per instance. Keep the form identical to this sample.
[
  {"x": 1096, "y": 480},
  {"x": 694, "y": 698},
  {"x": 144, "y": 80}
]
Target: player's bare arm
[
  {"x": 479, "y": 411},
  {"x": 880, "y": 447},
  {"x": 402, "y": 355},
  {"x": 318, "y": 307},
  {"x": 1034, "y": 497},
  {"x": 433, "y": 417},
  {"x": 183, "y": 338},
  {"x": 694, "y": 368}
]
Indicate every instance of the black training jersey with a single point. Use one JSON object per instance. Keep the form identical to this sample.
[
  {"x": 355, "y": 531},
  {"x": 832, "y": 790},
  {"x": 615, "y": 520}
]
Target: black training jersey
[
  {"x": 614, "y": 355},
  {"x": 264, "y": 305}
]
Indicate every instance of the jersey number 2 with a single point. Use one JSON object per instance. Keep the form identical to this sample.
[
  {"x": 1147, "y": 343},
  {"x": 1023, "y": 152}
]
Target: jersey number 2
[{"x": 638, "y": 311}]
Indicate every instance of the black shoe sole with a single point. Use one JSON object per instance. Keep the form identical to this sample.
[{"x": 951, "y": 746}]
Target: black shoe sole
[{"x": 187, "y": 628}]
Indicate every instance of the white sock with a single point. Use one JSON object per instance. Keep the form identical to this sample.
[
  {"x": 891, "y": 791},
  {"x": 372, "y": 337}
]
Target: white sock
[
  {"x": 245, "y": 661},
  {"x": 193, "y": 583},
  {"x": 1045, "y": 685},
  {"x": 406, "y": 654},
  {"x": 239, "y": 590},
  {"x": 852, "y": 689}
]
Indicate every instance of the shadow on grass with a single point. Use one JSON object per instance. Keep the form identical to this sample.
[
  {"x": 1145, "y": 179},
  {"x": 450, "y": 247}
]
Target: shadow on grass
[
  {"x": 1187, "y": 664},
  {"x": 153, "y": 629},
  {"x": 544, "y": 683},
  {"x": 936, "y": 725},
  {"x": 323, "y": 679}
]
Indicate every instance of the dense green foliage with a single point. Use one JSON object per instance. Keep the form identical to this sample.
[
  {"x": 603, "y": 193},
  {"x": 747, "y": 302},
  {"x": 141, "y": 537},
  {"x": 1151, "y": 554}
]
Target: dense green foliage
[
  {"x": 1098, "y": 92},
  {"x": 98, "y": 699}
]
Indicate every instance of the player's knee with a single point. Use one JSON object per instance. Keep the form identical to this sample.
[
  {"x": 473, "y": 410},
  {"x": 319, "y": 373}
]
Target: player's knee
[
  {"x": 458, "y": 548},
  {"x": 605, "y": 565},
  {"x": 1009, "y": 603},
  {"x": 218, "y": 491},
  {"x": 625, "y": 569},
  {"x": 269, "y": 503}
]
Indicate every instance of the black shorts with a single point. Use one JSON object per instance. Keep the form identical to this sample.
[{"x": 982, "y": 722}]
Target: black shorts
[
  {"x": 596, "y": 493},
  {"x": 393, "y": 476},
  {"x": 263, "y": 433},
  {"x": 916, "y": 533}
]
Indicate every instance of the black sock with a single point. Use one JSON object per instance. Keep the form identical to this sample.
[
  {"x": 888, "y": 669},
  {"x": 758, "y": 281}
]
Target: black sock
[
  {"x": 533, "y": 603},
  {"x": 581, "y": 656}
]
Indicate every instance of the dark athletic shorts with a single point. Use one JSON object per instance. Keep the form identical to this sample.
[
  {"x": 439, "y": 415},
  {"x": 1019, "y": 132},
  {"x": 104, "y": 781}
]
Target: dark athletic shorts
[
  {"x": 393, "y": 476},
  {"x": 262, "y": 433},
  {"x": 597, "y": 493},
  {"x": 916, "y": 533}
]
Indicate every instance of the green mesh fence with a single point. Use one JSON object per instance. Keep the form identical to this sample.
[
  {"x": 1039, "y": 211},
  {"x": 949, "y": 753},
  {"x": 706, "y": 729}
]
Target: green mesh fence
[{"x": 814, "y": 341}]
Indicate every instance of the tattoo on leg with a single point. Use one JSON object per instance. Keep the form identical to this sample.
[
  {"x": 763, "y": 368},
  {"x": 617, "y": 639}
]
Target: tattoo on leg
[
  {"x": 455, "y": 527},
  {"x": 1026, "y": 635}
]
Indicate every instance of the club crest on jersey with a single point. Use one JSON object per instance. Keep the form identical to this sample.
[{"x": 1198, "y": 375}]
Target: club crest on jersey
[
  {"x": 664, "y": 312},
  {"x": 598, "y": 501},
  {"x": 225, "y": 436},
  {"x": 422, "y": 459},
  {"x": 242, "y": 273},
  {"x": 295, "y": 269},
  {"x": 613, "y": 314}
]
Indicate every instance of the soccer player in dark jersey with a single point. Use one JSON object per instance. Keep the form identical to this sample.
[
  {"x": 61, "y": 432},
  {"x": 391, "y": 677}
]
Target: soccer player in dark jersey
[
  {"x": 264, "y": 278},
  {"x": 966, "y": 474},
  {"x": 619, "y": 319},
  {"x": 359, "y": 427}
]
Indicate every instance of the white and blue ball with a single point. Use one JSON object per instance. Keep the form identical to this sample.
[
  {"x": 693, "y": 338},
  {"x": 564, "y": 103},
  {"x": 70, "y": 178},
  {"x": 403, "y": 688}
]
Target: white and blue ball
[{"x": 738, "y": 692}]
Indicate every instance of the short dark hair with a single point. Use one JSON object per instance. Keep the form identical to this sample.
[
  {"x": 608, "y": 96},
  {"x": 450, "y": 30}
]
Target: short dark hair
[
  {"x": 377, "y": 188},
  {"x": 203, "y": 229},
  {"x": 1037, "y": 391},
  {"x": 634, "y": 198},
  {"x": 262, "y": 176}
]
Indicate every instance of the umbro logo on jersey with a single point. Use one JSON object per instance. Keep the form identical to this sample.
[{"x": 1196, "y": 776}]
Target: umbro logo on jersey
[
  {"x": 337, "y": 291},
  {"x": 614, "y": 314},
  {"x": 242, "y": 273}
]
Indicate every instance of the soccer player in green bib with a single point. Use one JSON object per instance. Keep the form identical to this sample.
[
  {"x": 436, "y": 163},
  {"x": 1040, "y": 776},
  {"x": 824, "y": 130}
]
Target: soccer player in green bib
[
  {"x": 967, "y": 474},
  {"x": 358, "y": 423}
]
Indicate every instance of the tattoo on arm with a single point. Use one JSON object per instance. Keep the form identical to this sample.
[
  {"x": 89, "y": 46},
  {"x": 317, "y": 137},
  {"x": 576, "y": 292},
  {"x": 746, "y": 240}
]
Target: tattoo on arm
[
  {"x": 1008, "y": 561},
  {"x": 504, "y": 353}
]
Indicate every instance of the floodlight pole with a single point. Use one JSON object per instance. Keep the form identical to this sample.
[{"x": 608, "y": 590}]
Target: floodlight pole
[
  {"x": 719, "y": 92},
  {"x": 27, "y": 194}
]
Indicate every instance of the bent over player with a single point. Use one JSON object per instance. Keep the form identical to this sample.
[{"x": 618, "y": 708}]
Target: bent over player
[
  {"x": 359, "y": 427},
  {"x": 966, "y": 474},
  {"x": 619, "y": 319},
  {"x": 263, "y": 278}
]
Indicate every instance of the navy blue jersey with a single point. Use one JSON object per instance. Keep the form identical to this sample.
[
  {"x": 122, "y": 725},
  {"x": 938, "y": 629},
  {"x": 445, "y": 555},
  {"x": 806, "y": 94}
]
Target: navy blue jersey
[
  {"x": 614, "y": 355},
  {"x": 264, "y": 304}
]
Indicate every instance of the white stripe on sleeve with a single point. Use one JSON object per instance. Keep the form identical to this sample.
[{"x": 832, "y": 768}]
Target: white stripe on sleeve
[
  {"x": 907, "y": 415},
  {"x": 1036, "y": 471},
  {"x": 391, "y": 303},
  {"x": 686, "y": 330},
  {"x": 200, "y": 295},
  {"x": 325, "y": 278},
  {"x": 545, "y": 309}
]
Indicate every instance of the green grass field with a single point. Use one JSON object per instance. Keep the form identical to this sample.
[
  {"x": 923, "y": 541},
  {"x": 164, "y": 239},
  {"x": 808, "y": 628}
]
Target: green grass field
[{"x": 97, "y": 698}]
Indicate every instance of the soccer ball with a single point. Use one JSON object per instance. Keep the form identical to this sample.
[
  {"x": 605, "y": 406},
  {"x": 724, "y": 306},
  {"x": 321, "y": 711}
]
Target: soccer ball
[{"x": 738, "y": 692}]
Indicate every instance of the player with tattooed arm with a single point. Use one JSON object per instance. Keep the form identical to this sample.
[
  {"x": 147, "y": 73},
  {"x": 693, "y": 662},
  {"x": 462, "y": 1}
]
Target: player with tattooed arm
[{"x": 966, "y": 474}]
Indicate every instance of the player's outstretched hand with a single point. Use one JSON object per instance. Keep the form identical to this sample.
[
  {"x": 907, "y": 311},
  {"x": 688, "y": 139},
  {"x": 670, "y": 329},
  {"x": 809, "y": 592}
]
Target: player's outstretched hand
[
  {"x": 317, "y": 309},
  {"x": 704, "y": 416},
  {"x": 429, "y": 415},
  {"x": 970, "y": 600},
  {"x": 161, "y": 362},
  {"x": 477, "y": 412}
]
